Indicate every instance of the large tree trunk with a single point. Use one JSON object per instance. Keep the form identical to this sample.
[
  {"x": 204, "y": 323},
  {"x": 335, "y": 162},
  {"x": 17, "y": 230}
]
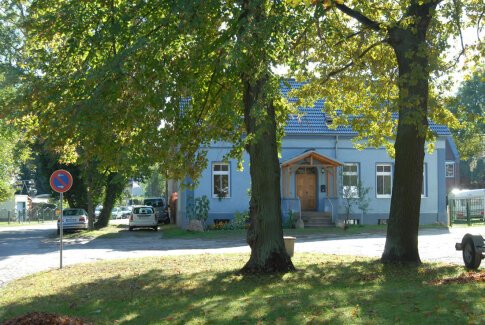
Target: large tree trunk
[
  {"x": 402, "y": 232},
  {"x": 265, "y": 234},
  {"x": 88, "y": 172},
  {"x": 77, "y": 195},
  {"x": 115, "y": 185}
]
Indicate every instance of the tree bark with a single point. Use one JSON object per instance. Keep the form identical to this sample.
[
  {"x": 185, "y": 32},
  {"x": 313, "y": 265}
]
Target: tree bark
[
  {"x": 265, "y": 234},
  {"x": 115, "y": 185},
  {"x": 89, "y": 195},
  {"x": 409, "y": 47},
  {"x": 77, "y": 195}
]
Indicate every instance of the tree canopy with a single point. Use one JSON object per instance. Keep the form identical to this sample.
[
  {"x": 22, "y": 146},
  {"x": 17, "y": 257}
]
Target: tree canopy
[
  {"x": 378, "y": 66},
  {"x": 469, "y": 107},
  {"x": 123, "y": 84}
]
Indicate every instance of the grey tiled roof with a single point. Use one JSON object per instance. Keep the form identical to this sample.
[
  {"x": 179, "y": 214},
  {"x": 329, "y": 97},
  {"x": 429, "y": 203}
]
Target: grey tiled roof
[{"x": 312, "y": 119}]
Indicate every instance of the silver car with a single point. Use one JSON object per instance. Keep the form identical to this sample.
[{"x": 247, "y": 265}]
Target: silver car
[
  {"x": 73, "y": 219},
  {"x": 143, "y": 217}
]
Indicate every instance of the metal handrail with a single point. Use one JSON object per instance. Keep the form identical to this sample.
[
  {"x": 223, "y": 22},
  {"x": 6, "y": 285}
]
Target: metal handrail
[
  {"x": 293, "y": 208},
  {"x": 331, "y": 206}
]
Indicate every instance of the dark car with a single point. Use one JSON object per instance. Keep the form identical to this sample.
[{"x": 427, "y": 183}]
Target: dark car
[{"x": 160, "y": 207}]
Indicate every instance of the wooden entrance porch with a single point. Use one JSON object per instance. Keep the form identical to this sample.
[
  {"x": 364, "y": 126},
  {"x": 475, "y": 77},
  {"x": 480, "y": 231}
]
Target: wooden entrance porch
[{"x": 312, "y": 178}]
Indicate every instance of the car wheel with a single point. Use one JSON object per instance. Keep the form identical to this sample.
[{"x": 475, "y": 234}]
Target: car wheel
[
  {"x": 471, "y": 257},
  {"x": 130, "y": 228},
  {"x": 155, "y": 228}
]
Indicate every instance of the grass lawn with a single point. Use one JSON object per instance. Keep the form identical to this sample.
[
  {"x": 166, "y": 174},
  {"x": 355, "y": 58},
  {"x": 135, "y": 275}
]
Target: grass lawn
[
  {"x": 205, "y": 289},
  {"x": 172, "y": 231}
]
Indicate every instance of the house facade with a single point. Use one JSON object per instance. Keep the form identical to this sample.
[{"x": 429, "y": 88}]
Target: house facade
[{"x": 319, "y": 168}]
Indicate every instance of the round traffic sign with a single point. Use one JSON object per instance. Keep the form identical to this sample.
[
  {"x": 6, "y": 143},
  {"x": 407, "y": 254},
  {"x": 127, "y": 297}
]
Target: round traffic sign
[{"x": 61, "y": 181}]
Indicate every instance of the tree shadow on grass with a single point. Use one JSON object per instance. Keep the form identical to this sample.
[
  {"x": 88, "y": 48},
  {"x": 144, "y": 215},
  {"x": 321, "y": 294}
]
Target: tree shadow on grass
[{"x": 332, "y": 291}]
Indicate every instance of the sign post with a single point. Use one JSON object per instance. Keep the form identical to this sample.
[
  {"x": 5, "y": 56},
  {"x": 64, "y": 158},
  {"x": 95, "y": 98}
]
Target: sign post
[{"x": 61, "y": 181}]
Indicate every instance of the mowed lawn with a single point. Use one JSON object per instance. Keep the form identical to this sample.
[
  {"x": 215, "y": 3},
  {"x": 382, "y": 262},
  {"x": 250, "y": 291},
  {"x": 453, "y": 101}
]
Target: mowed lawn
[{"x": 206, "y": 289}]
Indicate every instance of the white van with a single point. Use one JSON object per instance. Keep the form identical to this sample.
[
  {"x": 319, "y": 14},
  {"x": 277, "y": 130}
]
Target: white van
[{"x": 143, "y": 216}]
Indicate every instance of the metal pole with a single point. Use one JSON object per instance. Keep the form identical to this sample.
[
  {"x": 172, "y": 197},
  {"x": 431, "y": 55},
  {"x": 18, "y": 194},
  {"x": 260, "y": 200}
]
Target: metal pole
[{"x": 61, "y": 231}]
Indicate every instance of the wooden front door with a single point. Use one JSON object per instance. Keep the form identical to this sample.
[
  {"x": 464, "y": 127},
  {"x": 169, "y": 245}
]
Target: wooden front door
[{"x": 306, "y": 190}]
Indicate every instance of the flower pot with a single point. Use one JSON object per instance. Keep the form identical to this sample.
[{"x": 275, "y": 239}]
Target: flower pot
[{"x": 289, "y": 245}]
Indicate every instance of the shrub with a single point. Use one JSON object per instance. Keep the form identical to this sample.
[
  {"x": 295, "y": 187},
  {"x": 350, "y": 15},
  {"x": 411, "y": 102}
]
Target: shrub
[
  {"x": 200, "y": 210},
  {"x": 291, "y": 221},
  {"x": 240, "y": 221}
]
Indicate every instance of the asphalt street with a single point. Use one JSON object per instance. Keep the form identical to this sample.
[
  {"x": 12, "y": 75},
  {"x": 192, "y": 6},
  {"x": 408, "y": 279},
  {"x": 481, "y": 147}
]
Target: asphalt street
[{"x": 33, "y": 248}]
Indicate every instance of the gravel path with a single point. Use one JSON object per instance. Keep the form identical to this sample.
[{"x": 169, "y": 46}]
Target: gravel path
[{"x": 29, "y": 249}]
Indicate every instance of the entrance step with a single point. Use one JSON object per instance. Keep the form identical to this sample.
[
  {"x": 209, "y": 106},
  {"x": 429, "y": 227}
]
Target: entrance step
[{"x": 313, "y": 219}]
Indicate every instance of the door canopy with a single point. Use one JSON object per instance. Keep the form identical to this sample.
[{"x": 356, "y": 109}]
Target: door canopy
[{"x": 313, "y": 159}]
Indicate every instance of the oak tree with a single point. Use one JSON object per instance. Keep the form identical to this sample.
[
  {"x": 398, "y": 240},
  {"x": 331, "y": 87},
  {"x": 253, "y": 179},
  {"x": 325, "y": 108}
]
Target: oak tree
[{"x": 377, "y": 61}]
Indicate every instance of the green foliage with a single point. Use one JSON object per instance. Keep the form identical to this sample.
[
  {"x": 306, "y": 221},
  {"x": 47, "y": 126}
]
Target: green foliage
[
  {"x": 352, "y": 64},
  {"x": 240, "y": 221},
  {"x": 357, "y": 196},
  {"x": 468, "y": 105},
  {"x": 105, "y": 80},
  {"x": 13, "y": 153},
  {"x": 155, "y": 183},
  {"x": 291, "y": 221},
  {"x": 200, "y": 210}
]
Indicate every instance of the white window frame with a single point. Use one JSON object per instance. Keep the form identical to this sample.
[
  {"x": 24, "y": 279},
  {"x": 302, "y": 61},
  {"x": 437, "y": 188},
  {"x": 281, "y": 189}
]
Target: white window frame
[
  {"x": 354, "y": 190},
  {"x": 221, "y": 173},
  {"x": 452, "y": 164},
  {"x": 384, "y": 174}
]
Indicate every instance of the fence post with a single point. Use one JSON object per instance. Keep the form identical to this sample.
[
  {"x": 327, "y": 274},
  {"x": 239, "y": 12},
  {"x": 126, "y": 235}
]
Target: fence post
[
  {"x": 451, "y": 210},
  {"x": 468, "y": 212},
  {"x": 8, "y": 216}
]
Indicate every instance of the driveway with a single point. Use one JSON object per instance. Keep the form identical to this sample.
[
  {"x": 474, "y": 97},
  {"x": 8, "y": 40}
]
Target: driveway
[{"x": 34, "y": 248}]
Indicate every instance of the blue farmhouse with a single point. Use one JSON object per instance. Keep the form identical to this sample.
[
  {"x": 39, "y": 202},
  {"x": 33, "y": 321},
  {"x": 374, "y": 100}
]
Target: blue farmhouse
[{"x": 319, "y": 168}]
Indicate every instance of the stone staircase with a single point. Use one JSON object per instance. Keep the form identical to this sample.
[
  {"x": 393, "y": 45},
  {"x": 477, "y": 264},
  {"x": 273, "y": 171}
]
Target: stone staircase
[{"x": 314, "y": 219}]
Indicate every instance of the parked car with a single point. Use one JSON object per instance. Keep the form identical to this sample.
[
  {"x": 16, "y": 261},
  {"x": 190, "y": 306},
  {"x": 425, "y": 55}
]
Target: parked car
[
  {"x": 143, "y": 217},
  {"x": 116, "y": 213},
  {"x": 97, "y": 210},
  {"x": 72, "y": 219},
  {"x": 125, "y": 212},
  {"x": 161, "y": 208}
]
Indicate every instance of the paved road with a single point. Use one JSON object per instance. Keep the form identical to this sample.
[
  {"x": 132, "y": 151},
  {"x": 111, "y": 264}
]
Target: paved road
[{"x": 30, "y": 249}]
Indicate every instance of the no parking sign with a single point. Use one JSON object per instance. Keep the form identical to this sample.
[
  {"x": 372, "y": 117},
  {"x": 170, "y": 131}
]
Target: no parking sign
[{"x": 61, "y": 181}]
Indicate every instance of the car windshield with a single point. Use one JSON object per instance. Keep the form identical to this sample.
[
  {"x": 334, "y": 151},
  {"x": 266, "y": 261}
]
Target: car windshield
[
  {"x": 72, "y": 212},
  {"x": 143, "y": 210}
]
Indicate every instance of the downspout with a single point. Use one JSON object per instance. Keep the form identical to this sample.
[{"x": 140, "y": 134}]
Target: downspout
[{"x": 336, "y": 147}]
